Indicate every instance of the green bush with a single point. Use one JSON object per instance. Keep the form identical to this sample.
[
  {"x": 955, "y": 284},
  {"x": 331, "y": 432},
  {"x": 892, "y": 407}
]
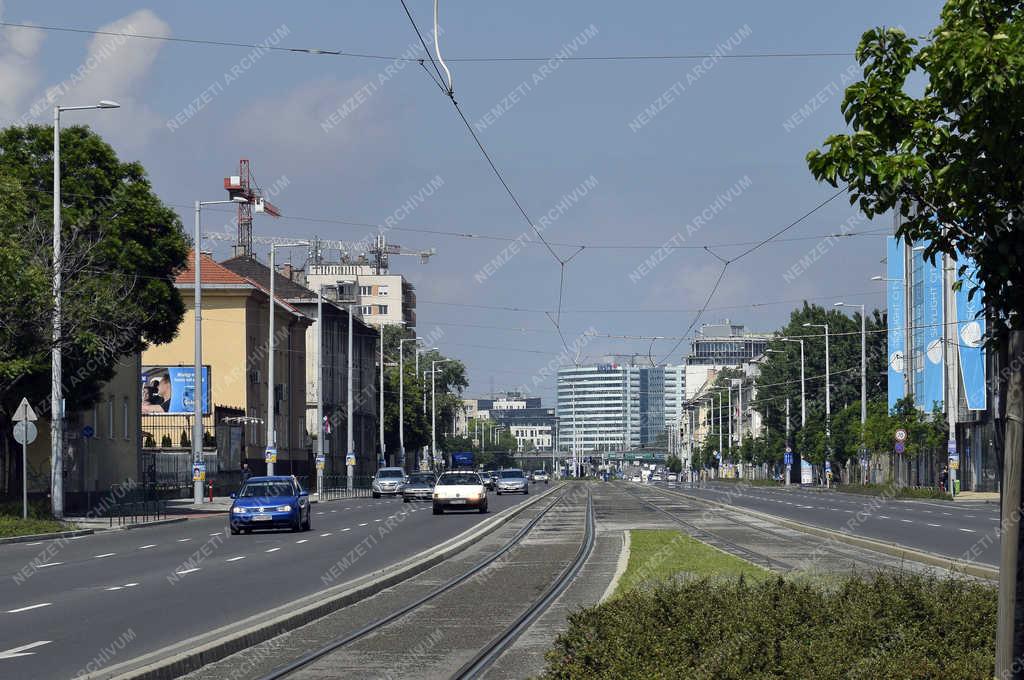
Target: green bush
[
  {"x": 885, "y": 626},
  {"x": 902, "y": 492}
]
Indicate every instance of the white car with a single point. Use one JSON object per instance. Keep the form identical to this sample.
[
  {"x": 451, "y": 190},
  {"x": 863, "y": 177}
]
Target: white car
[
  {"x": 672, "y": 477},
  {"x": 656, "y": 478},
  {"x": 460, "y": 491},
  {"x": 637, "y": 478}
]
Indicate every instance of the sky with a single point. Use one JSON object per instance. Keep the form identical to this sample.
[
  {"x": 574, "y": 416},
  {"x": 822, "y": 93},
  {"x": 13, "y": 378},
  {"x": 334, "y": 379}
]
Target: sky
[{"x": 619, "y": 156}]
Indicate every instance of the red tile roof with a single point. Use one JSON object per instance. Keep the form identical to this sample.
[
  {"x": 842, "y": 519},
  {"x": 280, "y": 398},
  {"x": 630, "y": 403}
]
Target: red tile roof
[{"x": 209, "y": 272}]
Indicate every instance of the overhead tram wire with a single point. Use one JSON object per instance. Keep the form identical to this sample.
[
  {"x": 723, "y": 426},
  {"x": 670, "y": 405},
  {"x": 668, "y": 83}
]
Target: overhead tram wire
[{"x": 737, "y": 56}]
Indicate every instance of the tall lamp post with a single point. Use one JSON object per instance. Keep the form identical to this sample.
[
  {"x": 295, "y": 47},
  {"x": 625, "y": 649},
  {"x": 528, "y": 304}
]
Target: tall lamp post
[
  {"x": 433, "y": 405},
  {"x": 828, "y": 398},
  {"x": 56, "y": 386},
  {"x": 198, "y": 387},
  {"x": 271, "y": 453},
  {"x": 863, "y": 370},
  {"x": 401, "y": 398}
]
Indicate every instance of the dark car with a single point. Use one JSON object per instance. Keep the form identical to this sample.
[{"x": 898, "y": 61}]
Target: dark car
[
  {"x": 513, "y": 481},
  {"x": 419, "y": 486},
  {"x": 490, "y": 478},
  {"x": 270, "y": 503}
]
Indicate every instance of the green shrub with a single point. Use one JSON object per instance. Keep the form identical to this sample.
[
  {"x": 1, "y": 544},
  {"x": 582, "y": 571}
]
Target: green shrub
[
  {"x": 885, "y": 626},
  {"x": 902, "y": 492}
]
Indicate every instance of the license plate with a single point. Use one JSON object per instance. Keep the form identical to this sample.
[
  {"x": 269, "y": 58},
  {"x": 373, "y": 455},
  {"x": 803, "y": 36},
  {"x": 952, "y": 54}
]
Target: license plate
[
  {"x": 262, "y": 517},
  {"x": 458, "y": 501}
]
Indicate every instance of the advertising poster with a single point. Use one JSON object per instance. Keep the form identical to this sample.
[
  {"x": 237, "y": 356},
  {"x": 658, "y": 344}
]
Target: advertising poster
[
  {"x": 170, "y": 390},
  {"x": 932, "y": 319},
  {"x": 806, "y": 472},
  {"x": 970, "y": 328},
  {"x": 896, "y": 304}
]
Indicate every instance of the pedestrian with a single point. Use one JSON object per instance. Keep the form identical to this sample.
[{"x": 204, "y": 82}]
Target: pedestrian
[
  {"x": 944, "y": 479},
  {"x": 246, "y": 473}
]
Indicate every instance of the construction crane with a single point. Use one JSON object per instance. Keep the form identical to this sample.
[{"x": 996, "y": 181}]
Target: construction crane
[
  {"x": 245, "y": 186},
  {"x": 382, "y": 250},
  {"x": 379, "y": 251}
]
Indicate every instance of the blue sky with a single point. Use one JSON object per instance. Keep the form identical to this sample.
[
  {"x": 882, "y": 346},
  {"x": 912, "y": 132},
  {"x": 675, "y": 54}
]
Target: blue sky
[{"x": 725, "y": 127}]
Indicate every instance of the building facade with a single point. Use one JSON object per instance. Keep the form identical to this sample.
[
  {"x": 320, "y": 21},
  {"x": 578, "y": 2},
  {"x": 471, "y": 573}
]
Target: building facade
[
  {"x": 381, "y": 298},
  {"x": 718, "y": 345},
  {"x": 598, "y": 408}
]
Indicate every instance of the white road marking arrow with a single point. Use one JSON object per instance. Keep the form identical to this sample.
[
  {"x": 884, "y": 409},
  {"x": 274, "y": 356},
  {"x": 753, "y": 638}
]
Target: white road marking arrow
[{"x": 20, "y": 651}]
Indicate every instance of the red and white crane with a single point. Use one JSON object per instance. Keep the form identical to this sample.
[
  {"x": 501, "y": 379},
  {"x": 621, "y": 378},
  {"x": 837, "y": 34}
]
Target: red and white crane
[{"x": 245, "y": 186}]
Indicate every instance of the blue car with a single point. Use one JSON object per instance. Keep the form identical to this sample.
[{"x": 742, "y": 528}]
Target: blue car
[{"x": 270, "y": 503}]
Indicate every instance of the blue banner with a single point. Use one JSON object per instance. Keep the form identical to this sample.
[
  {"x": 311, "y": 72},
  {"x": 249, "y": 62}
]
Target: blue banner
[
  {"x": 462, "y": 459},
  {"x": 931, "y": 325},
  {"x": 970, "y": 330},
  {"x": 170, "y": 390},
  {"x": 896, "y": 302}
]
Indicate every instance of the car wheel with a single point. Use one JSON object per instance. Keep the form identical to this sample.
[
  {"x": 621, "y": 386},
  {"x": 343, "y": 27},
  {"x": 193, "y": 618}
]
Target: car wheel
[
  {"x": 438, "y": 510},
  {"x": 405, "y": 500},
  {"x": 308, "y": 524},
  {"x": 376, "y": 495},
  {"x": 526, "y": 491},
  {"x": 235, "y": 531},
  {"x": 483, "y": 509}
]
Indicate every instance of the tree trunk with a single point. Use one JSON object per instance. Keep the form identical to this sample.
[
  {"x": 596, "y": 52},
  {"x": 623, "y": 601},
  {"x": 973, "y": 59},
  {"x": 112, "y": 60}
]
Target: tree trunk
[{"x": 1010, "y": 629}]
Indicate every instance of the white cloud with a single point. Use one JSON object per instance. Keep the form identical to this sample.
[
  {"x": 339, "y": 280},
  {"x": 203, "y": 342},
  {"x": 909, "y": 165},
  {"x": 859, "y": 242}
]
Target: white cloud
[{"x": 18, "y": 73}]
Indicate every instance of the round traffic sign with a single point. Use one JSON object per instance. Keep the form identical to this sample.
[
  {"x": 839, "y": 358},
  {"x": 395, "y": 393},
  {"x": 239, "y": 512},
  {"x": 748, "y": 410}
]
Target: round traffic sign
[
  {"x": 899, "y": 447},
  {"x": 789, "y": 449},
  {"x": 901, "y": 435},
  {"x": 88, "y": 432},
  {"x": 25, "y": 432}
]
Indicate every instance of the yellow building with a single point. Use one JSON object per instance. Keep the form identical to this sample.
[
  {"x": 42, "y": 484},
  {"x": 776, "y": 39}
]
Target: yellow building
[{"x": 235, "y": 316}]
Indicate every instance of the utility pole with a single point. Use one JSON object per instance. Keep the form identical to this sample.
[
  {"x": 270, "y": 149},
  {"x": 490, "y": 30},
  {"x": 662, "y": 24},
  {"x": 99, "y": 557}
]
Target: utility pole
[
  {"x": 350, "y": 446},
  {"x": 320, "y": 390},
  {"x": 401, "y": 396},
  {"x": 789, "y": 445},
  {"x": 271, "y": 453}
]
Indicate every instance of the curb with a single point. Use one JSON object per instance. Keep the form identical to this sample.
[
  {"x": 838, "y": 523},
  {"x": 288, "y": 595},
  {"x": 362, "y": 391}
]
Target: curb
[
  {"x": 620, "y": 567},
  {"x": 172, "y": 520},
  {"x": 894, "y": 549},
  {"x": 45, "y": 537},
  {"x": 217, "y": 644}
]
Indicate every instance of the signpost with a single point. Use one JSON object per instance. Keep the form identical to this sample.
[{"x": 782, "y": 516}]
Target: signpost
[
  {"x": 788, "y": 459},
  {"x": 954, "y": 465},
  {"x": 320, "y": 463},
  {"x": 24, "y": 433}
]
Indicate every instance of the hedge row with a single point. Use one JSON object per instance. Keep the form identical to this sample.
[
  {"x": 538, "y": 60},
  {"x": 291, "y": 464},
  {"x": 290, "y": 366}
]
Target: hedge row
[{"x": 885, "y": 626}]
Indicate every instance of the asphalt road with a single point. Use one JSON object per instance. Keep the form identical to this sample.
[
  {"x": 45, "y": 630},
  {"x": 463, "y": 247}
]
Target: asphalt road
[
  {"x": 109, "y": 597},
  {"x": 946, "y": 528}
]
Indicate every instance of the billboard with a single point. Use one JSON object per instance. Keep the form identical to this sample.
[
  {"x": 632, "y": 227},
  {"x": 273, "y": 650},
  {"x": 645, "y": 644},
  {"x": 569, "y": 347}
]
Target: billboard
[
  {"x": 896, "y": 302},
  {"x": 462, "y": 459},
  {"x": 170, "y": 390},
  {"x": 970, "y": 330},
  {"x": 932, "y": 332}
]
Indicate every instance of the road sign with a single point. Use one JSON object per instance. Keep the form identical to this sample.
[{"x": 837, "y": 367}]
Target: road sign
[
  {"x": 951, "y": 447},
  {"x": 787, "y": 458},
  {"x": 88, "y": 432},
  {"x": 270, "y": 455},
  {"x": 25, "y": 432},
  {"x": 901, "y": 435},
  {"x": 24, "y": 411},
  {"x": 828, "y": 466},
  {"x": 899, "y": 448},
  {"x": 350, "y": 459},
  {"x": 199, "y": 472},
  {"x": 789, "y": 449}
]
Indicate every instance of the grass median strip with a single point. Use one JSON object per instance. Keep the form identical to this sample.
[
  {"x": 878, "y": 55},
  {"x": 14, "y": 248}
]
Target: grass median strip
[{"x": 664, "y": 554}]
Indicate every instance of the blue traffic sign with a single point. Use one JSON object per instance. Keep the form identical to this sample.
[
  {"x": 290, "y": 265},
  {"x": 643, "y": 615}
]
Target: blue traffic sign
[
  {"x": 88, "y": 432},
  {"x": 788, "y": 458}
]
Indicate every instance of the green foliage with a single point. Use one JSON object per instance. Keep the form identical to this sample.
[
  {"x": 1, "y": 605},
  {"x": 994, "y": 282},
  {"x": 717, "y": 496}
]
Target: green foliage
[
  {"x": 121, "y": 249},
  {"x": 948, "y": 160},
  {"x": 885, "y": 626},
  {"x": 674, "y": 464}
]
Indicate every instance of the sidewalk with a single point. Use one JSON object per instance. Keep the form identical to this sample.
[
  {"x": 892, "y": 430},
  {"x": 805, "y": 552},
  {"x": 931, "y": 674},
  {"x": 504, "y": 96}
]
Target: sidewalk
[{"x": 978, "y": 496}]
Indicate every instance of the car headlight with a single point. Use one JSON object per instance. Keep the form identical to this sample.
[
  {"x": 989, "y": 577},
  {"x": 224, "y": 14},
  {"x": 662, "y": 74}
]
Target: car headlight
[
  {"x": 284, "y": 508},
  {"x": 237, "y": 510}
]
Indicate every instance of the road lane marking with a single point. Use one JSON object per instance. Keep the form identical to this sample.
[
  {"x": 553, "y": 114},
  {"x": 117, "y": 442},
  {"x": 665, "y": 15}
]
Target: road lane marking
[
  {"x": 376, "y": 520},
  {"x": 96, "y": 557},
  {"x": 187, "y": 571},
  {"x": 145, "y": 547},
  {"x": 363, "y": 524},
  {"x": 347, "y": 529},
  {"x": 325, "y": 535},
  {"x": 20, "y": 651},
  {"x": 301, "y": 540},
  {"x": 333, "y": 510},
  {"x": 970, "y": 531},
  {"x": 31, "y": 606},
  {"x": 235, "y": 559},
  {"x": 883, "y": 517},
  {"x": 182, "y": 540},
  {"x": 273, "y": 550},
  {"x": 934, "y": 525},
  {"x": 908, "y": 521},
  {"x": 113, "y": 588},
  {"x": 319, "y": 513},
  {"x": 48, "y": 564},
  {"x": 27, "y": 545}
]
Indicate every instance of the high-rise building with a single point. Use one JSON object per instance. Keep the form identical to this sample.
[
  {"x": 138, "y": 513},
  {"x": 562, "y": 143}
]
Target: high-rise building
[
  {"x": 598, "y": 407},
  {"x": 719, "y": 345},
  {"x": 675, "y": 395}
]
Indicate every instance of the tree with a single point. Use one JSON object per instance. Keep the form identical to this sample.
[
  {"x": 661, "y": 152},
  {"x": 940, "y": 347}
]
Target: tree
[
  {"x": 674, "y": 464},
  {"x": 122, "y": 249},
  {"x": 949, "y": 161}
]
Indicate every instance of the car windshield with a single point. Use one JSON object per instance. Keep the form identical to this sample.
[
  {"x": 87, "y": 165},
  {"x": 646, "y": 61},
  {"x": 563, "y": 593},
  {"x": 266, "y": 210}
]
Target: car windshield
[
  {"x": 457, "y": 479},
  {"x": 263, "y": 489},
  {"x": 421, "y": 479},
  {"x": 382, "y": 474},
  {"x": 511, "y": 474},
  {"x": 539, "y": 472}
]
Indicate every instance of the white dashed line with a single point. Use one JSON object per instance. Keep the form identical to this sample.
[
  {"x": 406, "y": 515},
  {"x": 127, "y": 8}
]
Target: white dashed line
[
  {"x": 363, "y": 524},
  {"x": 319, "y": 513},
  {"x": 113, "y": 588},
  {"x": 235, "y": 559},
  {"x": 186, "y": 571},
  {"x": 908, "y": 521},
  {"x": 333, "y": 510},
  {"x": 31, "y": 606},
  {"x": 27, "y": 545},
  {"x": 217, "y": 533},
  {"x": 325, "y": 535},
  {"x": 146, "y": 547},
  {"x": 273, "y": 550},
  {"x": 970, "y": 531},
  {"x": 183, "y": 540},
  {"x": 103, "y": 555},
  {"x": 934, "y": 525},
  {"x": 376, "y": 520},
  {"x": 301, "y": 540},
  {"x": 48, "y": 564},
  {"x": 347, "y": 529},
  {"x": 883, "y": 517}
]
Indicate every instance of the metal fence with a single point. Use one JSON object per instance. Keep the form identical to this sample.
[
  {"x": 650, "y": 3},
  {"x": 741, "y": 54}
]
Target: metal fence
[{"x": 336, "y": 487}]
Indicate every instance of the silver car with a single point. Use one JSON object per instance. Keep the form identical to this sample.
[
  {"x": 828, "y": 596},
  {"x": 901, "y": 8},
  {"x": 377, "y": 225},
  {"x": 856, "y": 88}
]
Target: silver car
[
  {"x": 419, "y": 486},
  {"x": 388, "y": 482},
  {"x": 512, "y": 481}
]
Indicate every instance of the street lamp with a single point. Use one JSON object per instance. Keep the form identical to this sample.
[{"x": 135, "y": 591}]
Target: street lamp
[
  {"x": 271, "y": 453},
  {"x": 197, "y": 304},
  {"x": 401, "y": 397},
  {"x": 828, "y": 399},
  {"x": 863, "y": 361},
  {"x": 56, "y": 387},
  {"x": 433, "y": 405}
]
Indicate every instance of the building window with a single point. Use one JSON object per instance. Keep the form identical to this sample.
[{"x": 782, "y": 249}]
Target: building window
[
  {"x": 366, "y": 290},
  {"x": 382, "y": 290},
  {"x": 124, "y": 415},
  {"x": 366, "y": 310},
  {"x": 110, "y": 417},
  {"x": 382, "y": 309}
]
